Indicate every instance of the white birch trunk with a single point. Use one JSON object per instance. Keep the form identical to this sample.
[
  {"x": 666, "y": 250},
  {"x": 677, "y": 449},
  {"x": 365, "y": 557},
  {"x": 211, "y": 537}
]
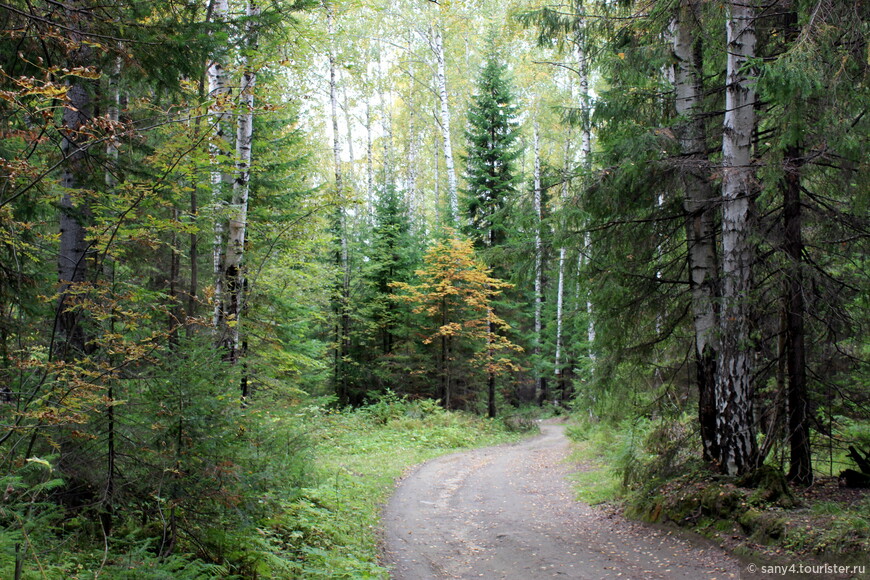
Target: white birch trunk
[
  {"x": 233, "y": 266},
  {"x": 736, "y": 438},
  {"x": 585, "y": 153},
  {"x": 560, "y": 285},
  {"x": 370, "y": 170},
  {"x": 449, "y": 165},
  {"x": 219, "y": 93},
  {"x": 415, "y": 203},
  {"x": 437, "y": 181},
  {"x": 698, "y": 205},
  {"x": 590, "y": 321},
  {"x": 540, "y": 384},
  {"x": 698, "y": 193},
  {"x": 386, "y": 123},
  {"x": 333, "y": 99}
]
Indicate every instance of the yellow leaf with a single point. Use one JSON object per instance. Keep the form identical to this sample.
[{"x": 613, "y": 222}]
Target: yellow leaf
[{"x": 40, "y": 462}]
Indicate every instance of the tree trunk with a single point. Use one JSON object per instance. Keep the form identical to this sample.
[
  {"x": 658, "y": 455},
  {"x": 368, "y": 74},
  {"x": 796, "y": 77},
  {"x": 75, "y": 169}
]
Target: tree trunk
[
  {"x": 235, "y": 253},
  {"x": 540, "y": 381},
  {"x": 386, "y": 123},
  {"x": 436, "y": 187},
  {"x": 444, "y": 391},
  {"x": 219, "y": 92},
  {"x": 800, "y": 459},
  {"x": 370, "y": 171},
  {"x": 562, "y": 383},
  {"x": 416, "y": 206},
  {"x": 490, "y": 375},
  {"x": 698, "y": 205},
  {"x": 735, "y": 428},
  {"x": 580, "y": 44},
  {"x": 342, "y": 327},
  {"x": 450, "y": 167},
  {"x": 72, "y": 267}
]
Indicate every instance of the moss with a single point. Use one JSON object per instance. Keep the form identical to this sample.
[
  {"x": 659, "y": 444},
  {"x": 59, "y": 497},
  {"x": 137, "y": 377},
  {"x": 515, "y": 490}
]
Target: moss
[
  {"x": 770, "y": 487},
  {"x": 722, "y": 500},
  {"x": 762, "y": 527},
  {"x": 647, "y": 508},
  {"x": 683, "y": 507}
]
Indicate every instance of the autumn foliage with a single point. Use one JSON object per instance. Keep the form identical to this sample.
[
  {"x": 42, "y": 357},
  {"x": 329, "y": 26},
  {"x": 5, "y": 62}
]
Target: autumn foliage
[{"x": 455, "y": 294}]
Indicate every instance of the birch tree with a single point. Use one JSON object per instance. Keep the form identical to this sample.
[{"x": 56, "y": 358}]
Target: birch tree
[
  {"x": 437, "y": 45},
  {"x": 540, "y": 380},
  {"x": 699, "y": 207},
  {"x": 233, "y": 269},
  {"x": 219, "y": 147},
  {"x": 734, "y": 421},
  {"x": 560, "y": 283}
]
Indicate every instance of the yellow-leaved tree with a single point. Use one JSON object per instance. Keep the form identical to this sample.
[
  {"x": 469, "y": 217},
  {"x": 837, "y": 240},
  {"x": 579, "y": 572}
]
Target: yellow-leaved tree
[{"x": 455, "y": 294}]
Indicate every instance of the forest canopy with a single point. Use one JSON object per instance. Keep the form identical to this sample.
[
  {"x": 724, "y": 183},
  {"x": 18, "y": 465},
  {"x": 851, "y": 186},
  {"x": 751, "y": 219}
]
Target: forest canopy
[{"x": 217, "y": 213}]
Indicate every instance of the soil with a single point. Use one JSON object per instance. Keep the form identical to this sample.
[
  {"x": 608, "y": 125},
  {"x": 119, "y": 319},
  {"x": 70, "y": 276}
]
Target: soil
[{"x": 508, "y": 512}]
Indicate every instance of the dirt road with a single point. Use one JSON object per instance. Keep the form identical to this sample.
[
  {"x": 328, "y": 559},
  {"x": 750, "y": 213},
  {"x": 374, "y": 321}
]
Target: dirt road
[{"x": 508, "y": 512}]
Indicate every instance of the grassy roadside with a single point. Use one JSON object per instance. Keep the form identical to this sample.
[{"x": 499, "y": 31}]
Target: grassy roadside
[
  {"x": 331, "y": 529},
  {"x": 623, "y": 468}
]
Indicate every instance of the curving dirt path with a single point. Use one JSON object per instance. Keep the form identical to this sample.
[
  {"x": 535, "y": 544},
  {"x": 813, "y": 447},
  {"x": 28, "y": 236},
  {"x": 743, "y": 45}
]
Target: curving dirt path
[{"x": 508, "y": 512}]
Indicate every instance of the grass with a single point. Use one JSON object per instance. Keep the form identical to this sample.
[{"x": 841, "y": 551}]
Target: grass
[
  {"x": 302, "y": 499},
  {"x": 634, "y": 465},
  {"x": 331, "y": 530},
  {"x": 594, "y": 483}
]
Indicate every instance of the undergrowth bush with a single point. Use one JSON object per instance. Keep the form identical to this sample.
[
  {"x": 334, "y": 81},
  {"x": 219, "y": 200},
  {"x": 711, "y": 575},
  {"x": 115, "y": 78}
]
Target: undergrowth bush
[
  {"x": 270, "y": 490},
  {"x": 329, "y": 530}
]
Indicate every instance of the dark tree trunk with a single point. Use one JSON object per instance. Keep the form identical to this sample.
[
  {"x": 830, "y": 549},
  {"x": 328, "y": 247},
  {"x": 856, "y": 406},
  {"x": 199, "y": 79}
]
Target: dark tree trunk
[
  {"x": 800, "y": 462},
  {"x": 706, "y": 377},
  {"x": 490, "y": 382},
  {"x": 74, "y": 210}
]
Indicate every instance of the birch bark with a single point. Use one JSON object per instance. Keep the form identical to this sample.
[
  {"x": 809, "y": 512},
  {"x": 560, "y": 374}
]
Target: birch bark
[
  {"x": 585, "y": 148},
  {"x": 219, "y": 93},
  {"x": 437, "y": 45},
  {"x": 735, "y": 430},
  {"x": 540, "y": 381},
  {"x": 233, "y": 267},
  {"x": 560, "y": 285},
  {"x": 370, "y": 171},
  {"x": 698, "y": 205}
]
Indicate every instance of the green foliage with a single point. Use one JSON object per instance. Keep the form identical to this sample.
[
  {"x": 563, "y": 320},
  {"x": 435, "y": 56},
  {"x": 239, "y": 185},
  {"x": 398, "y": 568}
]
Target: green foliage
[
  {"x": 330, "y": 530},
  {"x": 381, "y": 340},
  {"x": 491, "y": 174},
  {"x": 595, "y": 447},
  {"x": 131, "y": 455},
  {"x": 455, "y": 295}
]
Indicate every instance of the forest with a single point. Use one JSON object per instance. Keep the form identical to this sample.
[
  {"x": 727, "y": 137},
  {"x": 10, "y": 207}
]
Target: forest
[{"x": 237, "y": 232}]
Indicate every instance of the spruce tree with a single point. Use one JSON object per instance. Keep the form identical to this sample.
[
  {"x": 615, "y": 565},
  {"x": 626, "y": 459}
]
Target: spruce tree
[{"x": 492, "y": 150}]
